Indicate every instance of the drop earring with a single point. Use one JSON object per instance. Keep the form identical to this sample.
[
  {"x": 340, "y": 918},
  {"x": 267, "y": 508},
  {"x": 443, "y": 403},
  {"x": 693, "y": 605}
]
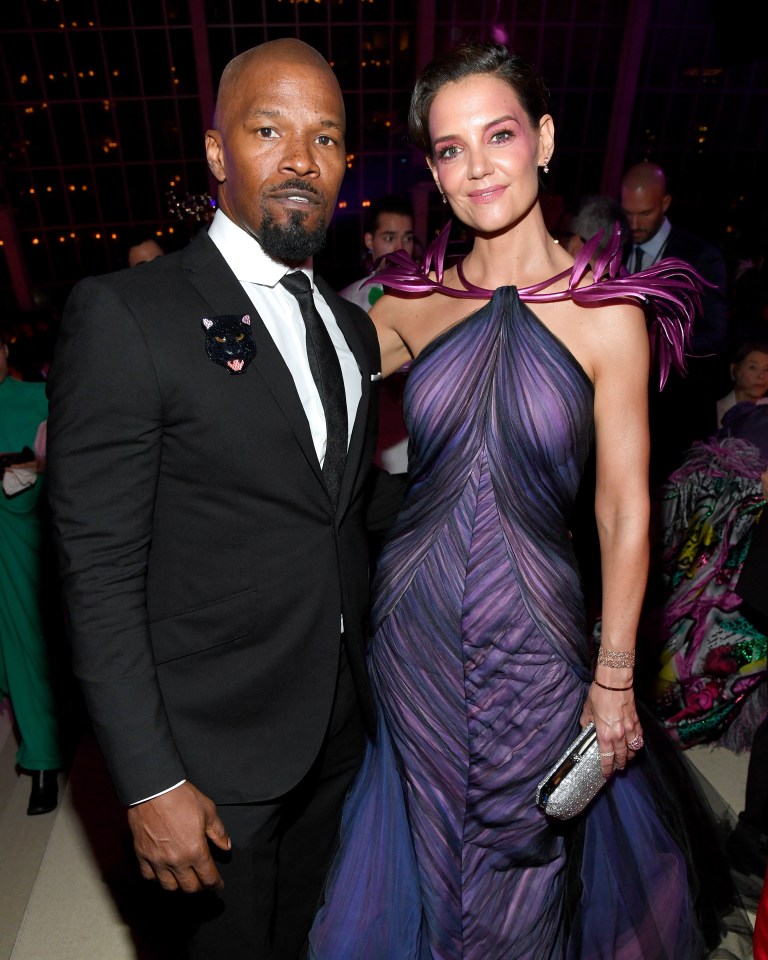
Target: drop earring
[{"x": 546, "y": 165}]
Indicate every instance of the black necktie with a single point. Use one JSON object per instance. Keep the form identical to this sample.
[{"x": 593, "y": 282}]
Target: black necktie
[
  {"x": 326, "y": 372},
  {"x": 637, "y": 266}
]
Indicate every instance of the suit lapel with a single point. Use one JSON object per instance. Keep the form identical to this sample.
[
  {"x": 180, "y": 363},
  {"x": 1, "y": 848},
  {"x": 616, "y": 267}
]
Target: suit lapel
[{"x": 210, "y": 274}]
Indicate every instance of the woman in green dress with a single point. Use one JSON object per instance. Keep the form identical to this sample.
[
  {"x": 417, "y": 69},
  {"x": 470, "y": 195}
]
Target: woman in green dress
[{"x": 25, "y": 667}]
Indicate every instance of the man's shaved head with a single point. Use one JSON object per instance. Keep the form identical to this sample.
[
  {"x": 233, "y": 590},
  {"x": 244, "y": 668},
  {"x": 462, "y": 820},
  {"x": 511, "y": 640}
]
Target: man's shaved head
[
  {"x": 644, "y": 200},
  {"x": 285, "y": 51},
  {"x": 644, "y": 176}
]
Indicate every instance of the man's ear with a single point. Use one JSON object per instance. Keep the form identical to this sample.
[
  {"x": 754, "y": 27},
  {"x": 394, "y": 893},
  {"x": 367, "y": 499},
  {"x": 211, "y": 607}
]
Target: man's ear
[
  {"x": 214, "y": 154},
  {"x": 665, "y": 202}
]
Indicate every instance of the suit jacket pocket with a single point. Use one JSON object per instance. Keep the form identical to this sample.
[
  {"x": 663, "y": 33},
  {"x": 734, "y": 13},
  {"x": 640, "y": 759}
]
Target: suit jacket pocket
[{"x": 201, "y": 628}]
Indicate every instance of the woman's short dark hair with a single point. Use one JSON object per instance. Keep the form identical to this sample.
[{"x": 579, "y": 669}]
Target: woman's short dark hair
[{"x": 468, "y": 60}]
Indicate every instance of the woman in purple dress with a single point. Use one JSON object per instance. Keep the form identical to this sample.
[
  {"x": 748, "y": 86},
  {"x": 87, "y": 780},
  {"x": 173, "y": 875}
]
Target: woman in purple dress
[{"x": 480, "y": 656}]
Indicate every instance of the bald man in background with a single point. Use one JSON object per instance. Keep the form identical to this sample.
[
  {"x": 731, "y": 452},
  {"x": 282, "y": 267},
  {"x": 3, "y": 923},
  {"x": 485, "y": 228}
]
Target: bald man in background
[
  {"x": 686, "y": 409},
  {"x": 215, "y": 569}
]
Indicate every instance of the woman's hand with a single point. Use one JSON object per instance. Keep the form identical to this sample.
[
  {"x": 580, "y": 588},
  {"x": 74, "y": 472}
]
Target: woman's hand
[{"x": 616, "y": 723}]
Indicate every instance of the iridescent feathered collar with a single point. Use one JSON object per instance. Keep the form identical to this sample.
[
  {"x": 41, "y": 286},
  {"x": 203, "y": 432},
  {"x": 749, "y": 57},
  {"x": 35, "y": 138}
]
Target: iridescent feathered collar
[{"x": 669, "y": 292}]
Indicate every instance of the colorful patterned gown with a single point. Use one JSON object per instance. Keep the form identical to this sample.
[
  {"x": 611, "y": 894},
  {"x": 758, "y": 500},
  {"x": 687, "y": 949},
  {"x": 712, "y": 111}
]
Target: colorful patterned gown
[
  {"x": 480, "y": 663},
  {"x": 711, "y": 685}
]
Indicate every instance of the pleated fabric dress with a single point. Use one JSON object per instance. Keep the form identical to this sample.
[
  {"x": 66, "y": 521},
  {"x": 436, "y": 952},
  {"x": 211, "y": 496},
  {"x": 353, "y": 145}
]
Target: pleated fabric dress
[{"x": 480, "y": 663}]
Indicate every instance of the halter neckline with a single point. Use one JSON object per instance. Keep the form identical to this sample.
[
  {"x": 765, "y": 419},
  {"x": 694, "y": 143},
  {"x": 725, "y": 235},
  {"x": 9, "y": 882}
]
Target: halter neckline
[{"x": 669, "y": 291}]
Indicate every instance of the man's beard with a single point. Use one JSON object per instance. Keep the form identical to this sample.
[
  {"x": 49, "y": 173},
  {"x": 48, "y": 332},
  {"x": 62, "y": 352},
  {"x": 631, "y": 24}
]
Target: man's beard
[{"x": 291, "y": 243}]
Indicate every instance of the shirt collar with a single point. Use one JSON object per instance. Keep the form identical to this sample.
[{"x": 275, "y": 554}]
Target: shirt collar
[
  {"x": 655, "y": 245},
  {"x": 245, "y": 255}
]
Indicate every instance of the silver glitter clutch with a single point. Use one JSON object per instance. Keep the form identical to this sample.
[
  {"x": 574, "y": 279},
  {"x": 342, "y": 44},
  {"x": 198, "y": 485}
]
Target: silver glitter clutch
[{"x": 574, "y": 780}]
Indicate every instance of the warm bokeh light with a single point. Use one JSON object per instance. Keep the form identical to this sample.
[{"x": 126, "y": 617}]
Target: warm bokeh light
[{"x": 134, "y": 129}]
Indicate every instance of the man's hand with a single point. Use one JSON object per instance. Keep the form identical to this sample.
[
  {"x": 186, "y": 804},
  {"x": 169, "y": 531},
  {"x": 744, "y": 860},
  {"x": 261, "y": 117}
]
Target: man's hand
[{"x": 169, "y": 836}]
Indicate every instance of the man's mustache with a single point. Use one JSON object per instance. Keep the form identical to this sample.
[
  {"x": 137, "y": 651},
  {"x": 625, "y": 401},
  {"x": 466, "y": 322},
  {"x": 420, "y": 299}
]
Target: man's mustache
[{"x": 296, "y": 183}]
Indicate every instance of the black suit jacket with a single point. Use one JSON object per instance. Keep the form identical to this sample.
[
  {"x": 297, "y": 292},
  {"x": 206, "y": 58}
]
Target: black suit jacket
[
  {"x": 710, "y": 328},
  {"x": 752, "y": 585},
  {"x": 203, "y": 567},
  {"x": 685, "y": 410}
]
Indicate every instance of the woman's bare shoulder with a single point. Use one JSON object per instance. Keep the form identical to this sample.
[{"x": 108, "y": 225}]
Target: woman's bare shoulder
[
  {"x": 401, "y": 309},
  {"x": 394, "y": 305}
]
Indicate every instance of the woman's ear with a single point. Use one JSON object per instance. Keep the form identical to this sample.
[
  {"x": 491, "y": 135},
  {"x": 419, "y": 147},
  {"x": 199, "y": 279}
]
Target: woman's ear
[
  {"x": 433, "y": 170},
  {"x": 546, "y": 139},
  {"x": 435, "y": 177}
]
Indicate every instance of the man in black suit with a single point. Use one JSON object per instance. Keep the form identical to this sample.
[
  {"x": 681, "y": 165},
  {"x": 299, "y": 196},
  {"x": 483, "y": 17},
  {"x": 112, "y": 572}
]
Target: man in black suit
[
  {"x": 686, "y": 409},
  {"x": 210, "y": 486}
]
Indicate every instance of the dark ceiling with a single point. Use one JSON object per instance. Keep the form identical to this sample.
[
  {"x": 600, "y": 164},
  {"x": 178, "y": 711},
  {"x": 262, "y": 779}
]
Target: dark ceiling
[{"x": 103, "y": 104}]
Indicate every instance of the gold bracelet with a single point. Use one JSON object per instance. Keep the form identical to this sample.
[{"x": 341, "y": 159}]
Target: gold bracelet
[
  {"x": 615, "y": 658},
  {"x": 615, "y": 689}
]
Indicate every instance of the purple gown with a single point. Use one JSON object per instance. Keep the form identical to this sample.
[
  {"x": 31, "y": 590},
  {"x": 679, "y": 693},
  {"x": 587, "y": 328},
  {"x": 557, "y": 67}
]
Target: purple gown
[{"x": 480, "y": 664}]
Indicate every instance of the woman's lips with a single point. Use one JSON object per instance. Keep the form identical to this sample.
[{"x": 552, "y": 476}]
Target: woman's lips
[{"x": 487, "y": 194}]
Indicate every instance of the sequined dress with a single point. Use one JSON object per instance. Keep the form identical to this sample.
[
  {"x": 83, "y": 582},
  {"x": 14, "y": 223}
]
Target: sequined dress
[{"x": 479, "y": 661}]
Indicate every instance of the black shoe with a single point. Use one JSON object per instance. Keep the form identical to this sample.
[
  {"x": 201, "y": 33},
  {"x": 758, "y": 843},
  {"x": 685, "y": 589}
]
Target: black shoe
[
  {"x": 746, "y": 848},
  {"x": 45, "y": 792}
]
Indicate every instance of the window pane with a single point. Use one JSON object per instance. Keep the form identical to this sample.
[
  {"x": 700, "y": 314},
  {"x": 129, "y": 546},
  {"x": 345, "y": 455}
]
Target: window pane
[
  {"x": 120, "y": 56},
  {"x": 82, "y": 194},
  {"x": 68, "y": 131},
  {"x": 89, "y": 66},
  {"x": 111, "y": 187},
  {"x": 100, "y": 129},
  {"x": 131, "y": 129},
  {"x": 192, "y": 130},
  {"x": 153, "y": 61},
  {"x": 183, "y": 66},
  {"x": 116, "y": 13},
  {"x": 166, "y": 139}
]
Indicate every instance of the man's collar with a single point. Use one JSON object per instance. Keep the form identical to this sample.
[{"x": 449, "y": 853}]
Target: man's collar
[
  {"x": 245, "y": 255},
  {"x": 654, "y": 246}
]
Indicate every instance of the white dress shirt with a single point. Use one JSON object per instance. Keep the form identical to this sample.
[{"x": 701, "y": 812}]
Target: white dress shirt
[
  {"x": 260, "y": 277},
  {"x": 653, "y": 249}
]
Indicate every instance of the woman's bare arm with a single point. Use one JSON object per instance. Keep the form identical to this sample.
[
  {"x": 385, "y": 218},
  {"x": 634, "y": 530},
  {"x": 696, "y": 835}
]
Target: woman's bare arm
[{"x": 621, "y": 362}]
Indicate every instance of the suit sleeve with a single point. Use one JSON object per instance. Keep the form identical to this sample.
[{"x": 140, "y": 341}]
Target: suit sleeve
[
  {"x": 710, "y": 332},
  {"x": 104, "y": 446},
  {"x": 385, "y": 497},
  {"x": 384, "y": 491}
]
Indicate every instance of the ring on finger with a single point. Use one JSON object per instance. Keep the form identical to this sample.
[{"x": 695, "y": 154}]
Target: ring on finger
[
  {"x": 609, "y": 753},
  {"x": 636, "y": 743}
]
